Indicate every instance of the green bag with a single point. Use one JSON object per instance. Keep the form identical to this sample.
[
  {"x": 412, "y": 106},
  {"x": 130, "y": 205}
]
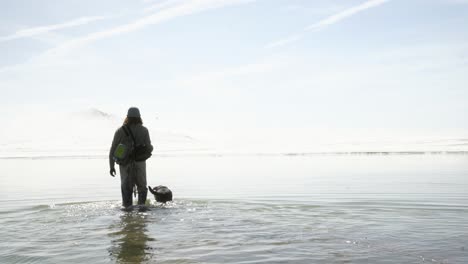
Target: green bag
[{"x": 123, "y": 153}]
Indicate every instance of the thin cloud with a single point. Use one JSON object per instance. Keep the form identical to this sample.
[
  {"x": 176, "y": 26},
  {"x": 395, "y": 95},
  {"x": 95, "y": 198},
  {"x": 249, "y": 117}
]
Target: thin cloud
[
  {"x": 333, "y": 19},
  {"x": 284, "y": 41},
  {"x": 180, "y": 9},
  {"x": 34, "y": 31},
  {"x": 345, "y": 14},
  {"x": 183, "y": 8},
  {"x": 457, "y": 1},
  {"x": 162, "y": 5}
]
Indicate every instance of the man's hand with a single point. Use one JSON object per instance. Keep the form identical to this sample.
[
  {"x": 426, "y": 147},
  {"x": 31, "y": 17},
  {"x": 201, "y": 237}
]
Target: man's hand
[{"x": 112, "y": 172}]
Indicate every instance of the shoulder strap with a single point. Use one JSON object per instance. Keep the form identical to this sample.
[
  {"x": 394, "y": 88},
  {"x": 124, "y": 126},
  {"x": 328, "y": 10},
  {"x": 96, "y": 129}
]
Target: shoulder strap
[
  {"x": 125, "y": 130},
  {"x": 129, "y": 131}
]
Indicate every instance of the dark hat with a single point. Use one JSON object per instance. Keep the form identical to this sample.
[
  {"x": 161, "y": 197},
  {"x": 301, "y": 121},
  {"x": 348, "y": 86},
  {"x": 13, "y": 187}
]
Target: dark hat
[{"x": 133, "y": 112}]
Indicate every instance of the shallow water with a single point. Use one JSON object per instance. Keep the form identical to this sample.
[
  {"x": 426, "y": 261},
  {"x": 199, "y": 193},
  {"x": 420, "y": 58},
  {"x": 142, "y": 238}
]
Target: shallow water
[{"x": 320, "y": 209}]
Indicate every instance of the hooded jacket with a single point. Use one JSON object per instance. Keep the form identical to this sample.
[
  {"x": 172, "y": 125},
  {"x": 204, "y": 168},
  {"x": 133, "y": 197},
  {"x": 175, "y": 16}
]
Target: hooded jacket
[{"x": 141, "y": 135}]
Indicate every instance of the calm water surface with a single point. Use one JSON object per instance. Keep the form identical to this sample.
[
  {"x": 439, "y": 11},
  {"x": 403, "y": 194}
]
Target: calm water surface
[{"x": 317, "y": 209}]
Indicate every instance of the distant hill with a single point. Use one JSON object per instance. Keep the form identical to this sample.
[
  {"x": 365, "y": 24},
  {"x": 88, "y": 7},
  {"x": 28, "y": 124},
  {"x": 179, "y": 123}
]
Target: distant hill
[{"x": 87, "y": 132}]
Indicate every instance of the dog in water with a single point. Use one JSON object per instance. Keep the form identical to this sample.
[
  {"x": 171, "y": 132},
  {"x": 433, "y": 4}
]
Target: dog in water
[{"x": 162, "y": 194}]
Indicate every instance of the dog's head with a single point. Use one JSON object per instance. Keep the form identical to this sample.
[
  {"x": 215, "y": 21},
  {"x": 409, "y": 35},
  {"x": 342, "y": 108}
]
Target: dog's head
[{"x": 162, "y": 194}]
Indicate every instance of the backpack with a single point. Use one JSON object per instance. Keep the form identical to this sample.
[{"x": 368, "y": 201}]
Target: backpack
[
  {"x": 128, "y": 151},
  {"x": 124, "y": 152}
]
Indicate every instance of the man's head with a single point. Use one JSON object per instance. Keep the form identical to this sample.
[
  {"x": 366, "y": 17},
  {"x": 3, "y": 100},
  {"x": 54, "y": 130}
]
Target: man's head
[
  {"x": 133, "y": 112},
  {"x": 133, "y": 117}
]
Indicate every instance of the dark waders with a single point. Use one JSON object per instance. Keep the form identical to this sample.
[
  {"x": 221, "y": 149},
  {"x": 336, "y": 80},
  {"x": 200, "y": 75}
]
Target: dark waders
[{"x": 132, "y": 174}]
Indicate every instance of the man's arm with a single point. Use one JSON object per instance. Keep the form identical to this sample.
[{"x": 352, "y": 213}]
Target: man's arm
[
  {"x": 115, "y": 142},
  {"x": 148, "y": 141}
]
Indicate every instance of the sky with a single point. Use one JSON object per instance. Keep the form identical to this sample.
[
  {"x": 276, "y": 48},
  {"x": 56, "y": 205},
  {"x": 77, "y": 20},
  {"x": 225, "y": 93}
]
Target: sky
[{"x": 290, "y": 69}]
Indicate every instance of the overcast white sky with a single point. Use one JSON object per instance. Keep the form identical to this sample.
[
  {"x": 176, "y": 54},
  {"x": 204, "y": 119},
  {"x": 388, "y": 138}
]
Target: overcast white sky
[{"x": 243, "y": 66}]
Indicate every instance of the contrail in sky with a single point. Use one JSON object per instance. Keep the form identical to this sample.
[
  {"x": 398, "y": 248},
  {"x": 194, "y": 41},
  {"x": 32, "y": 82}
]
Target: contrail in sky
[
  {"x": 173, "y": 10},
  {"x": 33, "y": 31},
  {"x": 333, "y": 19},
  {"x": 345, "y": 14}
]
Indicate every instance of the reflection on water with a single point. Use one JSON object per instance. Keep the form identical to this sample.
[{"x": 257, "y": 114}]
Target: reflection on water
[
  {"x": 129, "y": 241},
  {"x": 330, "y": 209}
]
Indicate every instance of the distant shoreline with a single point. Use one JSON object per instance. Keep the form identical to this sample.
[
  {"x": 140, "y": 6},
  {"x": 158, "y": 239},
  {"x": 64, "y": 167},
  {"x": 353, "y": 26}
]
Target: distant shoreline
[{"x": 259, "y": 154}]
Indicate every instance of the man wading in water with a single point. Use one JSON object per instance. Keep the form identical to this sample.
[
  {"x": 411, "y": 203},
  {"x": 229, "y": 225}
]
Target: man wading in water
[{"x": 130, "y": 148}]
